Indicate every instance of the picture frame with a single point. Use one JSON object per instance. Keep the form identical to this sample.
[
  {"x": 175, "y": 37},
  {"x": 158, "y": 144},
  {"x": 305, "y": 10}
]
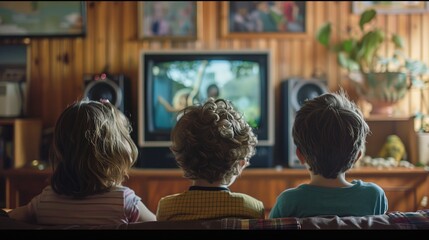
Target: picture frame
[
  {"x": 391, "y": 7},
  {"x": 279, "y": 19},
  {"x": 172, "y": 20},
  {"x": 42, "y": 19}
]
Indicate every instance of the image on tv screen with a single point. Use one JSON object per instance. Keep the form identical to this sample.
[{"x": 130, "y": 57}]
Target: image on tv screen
[{"x": 177, "y": 84}]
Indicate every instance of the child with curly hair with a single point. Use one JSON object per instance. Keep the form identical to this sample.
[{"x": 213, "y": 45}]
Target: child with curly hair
[{"x": 212, "y": 144}]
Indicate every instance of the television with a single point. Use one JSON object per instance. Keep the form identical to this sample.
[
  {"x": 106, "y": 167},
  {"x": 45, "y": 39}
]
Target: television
[{"x": 172, "y": 79}]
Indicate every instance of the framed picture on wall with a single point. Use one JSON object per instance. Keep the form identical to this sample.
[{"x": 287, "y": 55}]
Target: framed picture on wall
[
  {"x": 263, "y": 18},
  {"x": 391, "y": 7},
  {"x": 42, "y": 18},
  {"x": 168, "y": 20}
]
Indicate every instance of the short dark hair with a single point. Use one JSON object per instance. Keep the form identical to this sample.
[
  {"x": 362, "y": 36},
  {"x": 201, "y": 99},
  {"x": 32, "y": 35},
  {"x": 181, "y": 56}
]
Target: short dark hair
[
  {"x": 209, "y": 140},
  {"x": 330, "y": 132}
]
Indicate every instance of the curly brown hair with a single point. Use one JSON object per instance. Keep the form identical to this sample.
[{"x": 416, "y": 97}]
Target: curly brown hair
[
  {"x": 209, "y": 140},
  {"x": 92, "y": 149}
]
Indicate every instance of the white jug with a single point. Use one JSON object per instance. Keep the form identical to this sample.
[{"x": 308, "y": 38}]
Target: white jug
[{"x": 11, "y": 99}]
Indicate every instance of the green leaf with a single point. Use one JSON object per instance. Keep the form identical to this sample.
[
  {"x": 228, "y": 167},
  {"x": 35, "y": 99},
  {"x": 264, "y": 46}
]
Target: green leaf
[
  {"x": 353, "y": 66},
  {"x": 323, "y": 35},
  {"x": 398, "y": 41},
  {"x": 349, "y": 45},
  {"x": 342, "y": 59},
  {"x": 366, "y": 17},
  {"x": 371, "y": 42}
]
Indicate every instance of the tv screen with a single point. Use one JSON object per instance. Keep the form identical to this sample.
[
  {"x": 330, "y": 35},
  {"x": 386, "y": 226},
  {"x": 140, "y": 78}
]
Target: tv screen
[{"x": 171, "y": 80}]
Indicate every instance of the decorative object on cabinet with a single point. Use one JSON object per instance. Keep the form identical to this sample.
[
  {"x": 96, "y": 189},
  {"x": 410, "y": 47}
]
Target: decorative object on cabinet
[
  {"x": 391, "y": 7},
  {"x": 42, "y": 19},
  {"x": 383, "y": 126},
  {"x": 394, "y": 148},
  {"x": 263, "y": 19},
  {"x": 380, "y": 80},
  {"x": 177, "y": 20}
]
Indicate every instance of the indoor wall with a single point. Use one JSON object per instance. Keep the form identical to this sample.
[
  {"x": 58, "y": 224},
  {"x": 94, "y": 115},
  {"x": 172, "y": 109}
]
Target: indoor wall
[{"x": 111, "y": 41}]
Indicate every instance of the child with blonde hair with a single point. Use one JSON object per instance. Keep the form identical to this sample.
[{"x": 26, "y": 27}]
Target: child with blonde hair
[{"x": 91, "y": 154}]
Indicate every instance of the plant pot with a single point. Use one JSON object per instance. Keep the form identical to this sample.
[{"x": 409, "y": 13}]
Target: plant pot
[{"x": 382, "y": 89}]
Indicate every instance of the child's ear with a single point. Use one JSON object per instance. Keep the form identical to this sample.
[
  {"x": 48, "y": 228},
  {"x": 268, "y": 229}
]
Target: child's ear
[
  {"x": 241, "y": 165},
  {"x": 300, "y": 156}
]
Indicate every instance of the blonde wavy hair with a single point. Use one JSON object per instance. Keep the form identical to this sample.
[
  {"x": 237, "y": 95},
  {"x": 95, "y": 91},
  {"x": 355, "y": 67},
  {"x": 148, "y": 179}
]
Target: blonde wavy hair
[
  {"x": 92, "y": 149},
  {"x": 209, "y": 140}
]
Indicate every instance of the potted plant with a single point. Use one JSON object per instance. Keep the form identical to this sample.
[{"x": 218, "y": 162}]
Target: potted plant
[{"x": 381, "y": 80}]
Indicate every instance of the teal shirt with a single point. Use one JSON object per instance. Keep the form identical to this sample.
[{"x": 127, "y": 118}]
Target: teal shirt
[{"x": 306, "y": 200}]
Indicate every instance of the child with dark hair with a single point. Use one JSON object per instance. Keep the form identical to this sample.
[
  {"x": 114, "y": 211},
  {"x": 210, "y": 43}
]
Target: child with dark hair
[
  {"x": 329, "y": 132},
  {"x": 91, "y": 154},
  {"x": 212, "y": 144}
]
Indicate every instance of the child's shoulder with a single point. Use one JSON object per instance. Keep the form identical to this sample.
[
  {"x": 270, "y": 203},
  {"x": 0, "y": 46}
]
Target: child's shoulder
[
  {"x": 173, "y": 197},
  {"x": 367, "y": 185},
  {"x": 245, "y": 197}
]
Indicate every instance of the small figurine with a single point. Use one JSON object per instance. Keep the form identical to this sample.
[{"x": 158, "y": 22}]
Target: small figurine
[{"x": 393, "y": 148}]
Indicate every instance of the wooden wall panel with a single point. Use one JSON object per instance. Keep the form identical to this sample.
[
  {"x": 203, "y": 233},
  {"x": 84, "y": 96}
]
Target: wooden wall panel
[
  {"x": 101, "y": 30},
  {"x": 77, "y": 71},
  {"x": 66, "y": 72},
  {"x": 111, "y": 41},
  {"x": 53, "y": 86},
  {"x": 89, "y": 43},
  {"x": 114, "y": 32}
]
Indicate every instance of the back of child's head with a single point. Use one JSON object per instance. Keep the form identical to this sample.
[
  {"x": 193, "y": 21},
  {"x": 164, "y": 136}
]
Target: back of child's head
[
  {"x": 209, "y": 140},
  {"x": 330, "y": 132},
  {"x": 92, "y": 149}
]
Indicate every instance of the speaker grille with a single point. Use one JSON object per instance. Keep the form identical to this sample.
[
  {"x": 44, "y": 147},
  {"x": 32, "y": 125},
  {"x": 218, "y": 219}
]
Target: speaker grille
[
  {"x": 115, "y": 88},
  {"x": 295, "y": 92},
  {"x": 104, "y": 89}
]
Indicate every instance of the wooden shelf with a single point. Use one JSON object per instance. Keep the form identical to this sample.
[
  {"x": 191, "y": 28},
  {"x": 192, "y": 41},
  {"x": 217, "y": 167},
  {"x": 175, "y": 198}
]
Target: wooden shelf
[
  {"x": 383, "y": 118},
  {"x": 383, "y": 126}
]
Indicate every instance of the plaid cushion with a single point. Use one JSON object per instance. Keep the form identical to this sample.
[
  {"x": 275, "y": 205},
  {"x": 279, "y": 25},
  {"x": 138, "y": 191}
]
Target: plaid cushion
[
  {"x": 261, "y": 224},
  {"x": 410, "y": 220}
]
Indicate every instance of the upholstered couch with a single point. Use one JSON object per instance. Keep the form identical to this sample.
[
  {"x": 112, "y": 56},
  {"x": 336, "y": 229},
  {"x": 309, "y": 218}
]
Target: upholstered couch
[{"x": 391, "y": 220}]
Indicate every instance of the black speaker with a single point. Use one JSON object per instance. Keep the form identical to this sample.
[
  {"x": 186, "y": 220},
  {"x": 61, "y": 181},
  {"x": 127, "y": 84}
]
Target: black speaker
[
  {"x": 294, "y": 92},
  {"x": 116, "y": 88}
]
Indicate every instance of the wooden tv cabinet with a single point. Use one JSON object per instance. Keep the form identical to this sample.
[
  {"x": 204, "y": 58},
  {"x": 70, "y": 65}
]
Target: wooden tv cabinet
[{"x": 406, "y": 189}]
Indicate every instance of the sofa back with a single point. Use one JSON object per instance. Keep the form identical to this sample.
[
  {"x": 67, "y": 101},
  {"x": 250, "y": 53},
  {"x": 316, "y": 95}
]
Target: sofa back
[{"x": 391, "y": 220}]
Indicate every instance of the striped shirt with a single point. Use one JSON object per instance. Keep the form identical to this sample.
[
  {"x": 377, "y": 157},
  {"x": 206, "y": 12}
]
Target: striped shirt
[
  {"x": 208, "y": 203},
  {"x": 114, "y": 207}
]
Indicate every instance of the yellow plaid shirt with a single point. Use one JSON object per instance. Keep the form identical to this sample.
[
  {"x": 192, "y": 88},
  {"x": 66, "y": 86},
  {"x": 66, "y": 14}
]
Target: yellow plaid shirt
[{"x": 208, "y": 204}]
